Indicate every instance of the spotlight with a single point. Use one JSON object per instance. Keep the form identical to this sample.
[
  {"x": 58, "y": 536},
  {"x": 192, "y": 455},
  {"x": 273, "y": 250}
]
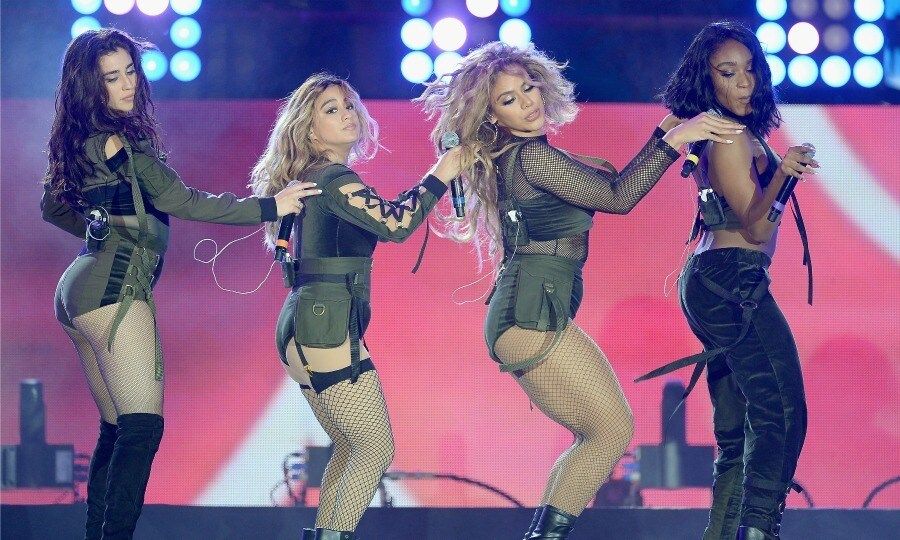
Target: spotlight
[
  {"x": 772, "y": 37},
  {"x": 869, "y": 10},
  {"x": 445, "y": 63},
  {"x": 771, "y": 10},
  {"x": 86, "y": 7},
  {"x": 868, "y": 72},
  {"x": 185, "y": 7},
  {"x": 416, "y": 8},
  {"x": 515, "y": 8},
  {"x": 118, "y": 7},
  {"x": 83, "y": 24},
  {"x": 154, "y": 64},
  {"x": 152, "y": 7},
  {"x": 835, "y": 71},
  {"x": 185, "y": 66},
  {"x": 482, "y": 8},
  {"x": 416, "y": 67},
  {"x": 416, "y": 34},
  {"x": 803, "y": 38},
  {"x": 836, "y": 9},
  {"x": 515, "y": 32},
  {"x": 836, "y": 38},
  {"x": 449, "y": 34},
  {"x": 776, "y": 66},
  {"x": 868, "y": 38},
  {"x": 804, "y": 9},
  {"x": 803, "y": 71},
  {"x": 185, "y": 32}
]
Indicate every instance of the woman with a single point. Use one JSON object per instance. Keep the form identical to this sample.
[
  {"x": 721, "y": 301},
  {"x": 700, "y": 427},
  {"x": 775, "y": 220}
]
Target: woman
[
  {"x": 537, "y": 202},
  {"x": 321, "y": 130},
  {"x": 753, "y": 370},
  {"x": 106, "y": 167}
]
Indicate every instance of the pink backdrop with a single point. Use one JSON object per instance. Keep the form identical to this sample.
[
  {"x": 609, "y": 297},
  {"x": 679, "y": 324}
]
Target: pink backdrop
[{"x": 231, "y": 415}]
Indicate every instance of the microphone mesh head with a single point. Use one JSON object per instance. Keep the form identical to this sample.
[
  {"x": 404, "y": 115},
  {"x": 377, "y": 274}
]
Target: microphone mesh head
[{"x": 449, "y": 139}]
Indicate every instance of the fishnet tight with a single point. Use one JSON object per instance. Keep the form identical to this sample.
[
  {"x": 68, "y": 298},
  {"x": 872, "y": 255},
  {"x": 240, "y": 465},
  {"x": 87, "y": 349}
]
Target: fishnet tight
[
  {"x": 576, "y": 387},
  {"x": 122, "y": 381}
]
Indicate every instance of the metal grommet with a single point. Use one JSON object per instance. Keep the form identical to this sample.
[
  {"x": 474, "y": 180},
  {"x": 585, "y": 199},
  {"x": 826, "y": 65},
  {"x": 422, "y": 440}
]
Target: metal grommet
[
  {"x": 749, "y": 304},
  {"x": 549, "y": 287},
  {"x": 318, "y": 310}
]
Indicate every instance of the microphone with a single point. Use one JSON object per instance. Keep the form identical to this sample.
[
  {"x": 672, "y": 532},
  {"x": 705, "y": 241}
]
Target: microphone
[
  {"x": 284, "y": 235},
  {"x": 448, "y": 140},
  {"x": 693, "y": 157},
  {"x": 784, "y": 194}
]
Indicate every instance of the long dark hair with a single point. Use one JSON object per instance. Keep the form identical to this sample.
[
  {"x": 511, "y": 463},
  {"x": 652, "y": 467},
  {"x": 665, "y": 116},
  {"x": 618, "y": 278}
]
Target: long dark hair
[
  {"x": 690, "y": 89},
  {"x": 82, "y": 110}
]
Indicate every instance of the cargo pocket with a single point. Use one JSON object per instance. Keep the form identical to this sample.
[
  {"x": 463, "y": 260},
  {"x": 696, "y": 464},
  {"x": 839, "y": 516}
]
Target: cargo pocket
[
  {"x": 532, "y": 310},
  {"x": 322, "y": 316}
]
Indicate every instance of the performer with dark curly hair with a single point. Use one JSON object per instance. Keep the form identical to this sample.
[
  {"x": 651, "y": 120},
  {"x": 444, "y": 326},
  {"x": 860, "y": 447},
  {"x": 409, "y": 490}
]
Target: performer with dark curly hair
[{"x": 107, "y": 182}]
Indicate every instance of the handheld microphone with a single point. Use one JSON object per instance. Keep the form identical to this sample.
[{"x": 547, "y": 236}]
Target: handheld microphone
[
  {"x": 282, "y": 245},
  {"x": 784, "y": 194},
  {"x": 693, "y": 157},
  {"x": 457, "y": 195}
]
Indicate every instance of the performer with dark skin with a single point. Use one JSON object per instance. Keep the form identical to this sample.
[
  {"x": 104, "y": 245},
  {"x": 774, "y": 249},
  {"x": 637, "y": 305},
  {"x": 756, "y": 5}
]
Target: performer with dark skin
[
  {"x": 322, "y": 129},
  {"x": 107, "y": 182},
  {"x": 753, "y": 369},
  {"x": 534, "y": 204}
]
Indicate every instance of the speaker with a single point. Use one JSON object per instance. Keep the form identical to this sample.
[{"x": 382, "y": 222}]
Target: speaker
[
  {"x": 37, "y": 465},
  {"x": 32, "y": 426},
  {"x": 674, "y": 465}
]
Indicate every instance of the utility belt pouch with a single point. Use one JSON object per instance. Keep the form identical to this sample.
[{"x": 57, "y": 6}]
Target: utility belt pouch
[{"x": 710, "y": 207}]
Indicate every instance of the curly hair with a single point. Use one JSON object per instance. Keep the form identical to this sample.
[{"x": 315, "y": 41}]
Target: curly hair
[
  {"x": 690, "y": 90},
  {"x": 82, "y": 110},
  {"x": 461, "y": 100},
  {"x": 290, "y": 154}
]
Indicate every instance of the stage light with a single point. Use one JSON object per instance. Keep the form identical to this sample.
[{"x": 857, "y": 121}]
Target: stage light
[
  {"x": 416, "y": 8},
  {"x": 869, "y": 10},
  {"x": 445, "y": 63},
  {"x": 416, "y": 67},
  {"x": 416, "y": 34},
  {"x": 836, "y": 38},
  {"x": 803, "y": 71},
  {"x": 804, "y": 9},
  {"x": 868, "y": 72},
  {"x": 154, "y": 64},
  {"x": 771, "y": 10},
  {"x": 152, "y": 7},
  {"x": 185, "y": 32},
  {"x": 776, "y": 66},
  {"x": 836, "y": 9},
  {"x": 835, "y": 71},
  {"x": 482, "y": 8},
  {"x": 868, "y": 38},
  {"x": 449, "y": 34},
  {"x": 83, "y": 24},
  {"x": 185, "y": 7},
  {"x": 772, "y": 37},
  {"x": 185, "y": 65},
  {"x": 803, "y": 38},
  {"x": 86, "y": 7},
  {"x": 118, "y": 7},
  {"x": 515, "y": 8},
  {"x": 515, "y": 32}
]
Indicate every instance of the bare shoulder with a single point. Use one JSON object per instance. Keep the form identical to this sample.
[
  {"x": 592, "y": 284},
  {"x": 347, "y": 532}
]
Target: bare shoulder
[
  {"x": 113, "y": 145},
  {"x": 733, "y": 156}
]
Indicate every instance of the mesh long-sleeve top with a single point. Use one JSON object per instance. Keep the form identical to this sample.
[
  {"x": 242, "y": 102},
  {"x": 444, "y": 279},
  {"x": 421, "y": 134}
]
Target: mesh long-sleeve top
[{"x": 558, "y": 194}]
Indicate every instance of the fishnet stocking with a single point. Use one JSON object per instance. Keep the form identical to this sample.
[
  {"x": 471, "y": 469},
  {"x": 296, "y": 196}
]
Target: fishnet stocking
[
  {"x": 577, "y": 388},
  {"x": 358, "y": 413},
  {"x": 128, "y": 371},
  {"x": 336, "y": 465},
  {"x": 92, "y": 372}
]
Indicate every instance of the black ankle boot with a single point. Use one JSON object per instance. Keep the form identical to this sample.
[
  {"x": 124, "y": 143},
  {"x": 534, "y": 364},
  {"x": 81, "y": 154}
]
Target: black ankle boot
[
  {"x": 554, "y": 524},
  {"x": 752, "y": 533},
  {"x": 129, "y": 470},
  {"x": 534, "y": 521},
  {"x": 96, "y": 481},
  {"x": 308, "y": 534},
  {"x": 725, "y": 511},
  {"x": 328, "y": 534}
]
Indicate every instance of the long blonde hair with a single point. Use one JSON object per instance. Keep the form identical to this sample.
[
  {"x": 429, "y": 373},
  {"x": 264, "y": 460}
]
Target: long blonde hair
[
  {"x": 290, "y": 154},
  {"x": 461, "y": 100}
]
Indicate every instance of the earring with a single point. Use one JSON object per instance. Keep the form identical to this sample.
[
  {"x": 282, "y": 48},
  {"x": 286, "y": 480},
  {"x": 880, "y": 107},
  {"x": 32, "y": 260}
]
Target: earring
[{"x": 495, "y": 132}]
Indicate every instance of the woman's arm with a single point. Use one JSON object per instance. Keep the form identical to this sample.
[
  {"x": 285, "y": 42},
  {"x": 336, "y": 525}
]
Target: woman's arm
[{"x": 62, "y": 215}]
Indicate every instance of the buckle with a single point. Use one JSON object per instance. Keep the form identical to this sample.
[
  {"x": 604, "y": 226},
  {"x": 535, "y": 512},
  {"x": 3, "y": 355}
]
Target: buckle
[
  {"x": 549, "y": 287},
  {"x": 749, "y": 304}
]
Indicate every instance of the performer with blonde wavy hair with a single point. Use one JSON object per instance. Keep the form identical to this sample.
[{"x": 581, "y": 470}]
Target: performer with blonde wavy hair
[
  {"x": 533, "y": 204},
  {"x": 321, "y": 130}
]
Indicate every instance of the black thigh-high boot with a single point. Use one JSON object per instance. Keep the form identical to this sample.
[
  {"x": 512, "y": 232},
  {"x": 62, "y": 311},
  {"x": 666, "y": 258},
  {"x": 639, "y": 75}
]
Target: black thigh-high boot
[
  {"x": 96, "y": 481},
  {"x": 554, "y": 524},
  {"x": 534, "y": 521},
  {"x": 129, "y": 470},
  {"x": 328, "y": 534},
  {"x": 725, "y": 513}
]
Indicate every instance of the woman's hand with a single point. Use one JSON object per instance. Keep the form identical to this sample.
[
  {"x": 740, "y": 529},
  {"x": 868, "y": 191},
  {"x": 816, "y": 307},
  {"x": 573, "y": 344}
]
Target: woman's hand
[
  {"x": 669, "y": 122},
  {"x": 448, "y": 166},
  {"x": 703, "y": 126},
  {"x": 290, "y": 199},
  {"x": 798, "y": 160}
]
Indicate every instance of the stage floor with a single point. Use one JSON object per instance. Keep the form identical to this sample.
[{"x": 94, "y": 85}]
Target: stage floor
[{"x": 63, "y": 522}]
